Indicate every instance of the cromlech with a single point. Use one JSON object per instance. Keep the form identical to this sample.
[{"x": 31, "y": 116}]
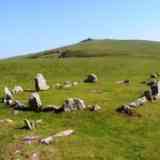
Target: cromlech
[{"x": 96, "y": 97}]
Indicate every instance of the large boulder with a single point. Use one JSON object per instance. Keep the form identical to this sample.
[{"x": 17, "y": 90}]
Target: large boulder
[
  {"x": 41, "y": 83},
  {"x": 91, "y": 78},
  {"x": 35, "y": 102}
]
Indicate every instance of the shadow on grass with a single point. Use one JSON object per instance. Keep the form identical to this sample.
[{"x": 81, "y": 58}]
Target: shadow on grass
[{"x": 46, "y": 109}]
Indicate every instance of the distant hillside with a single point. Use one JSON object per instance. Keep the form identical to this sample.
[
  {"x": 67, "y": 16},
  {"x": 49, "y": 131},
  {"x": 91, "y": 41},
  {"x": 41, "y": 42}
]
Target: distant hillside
[{"x": 101, "y": 48}]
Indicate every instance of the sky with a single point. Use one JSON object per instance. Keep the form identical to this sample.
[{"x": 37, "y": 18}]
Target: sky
[{"x": 28, "y": 26}]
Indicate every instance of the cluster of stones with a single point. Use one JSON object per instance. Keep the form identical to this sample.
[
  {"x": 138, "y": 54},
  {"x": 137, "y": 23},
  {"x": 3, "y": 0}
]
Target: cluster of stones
[
  {"x": 91, "y": 78},
  {"x": 66, "y": 84},
  {"x": 35, "y": 103},
  {"x": 150, "y": 95}
]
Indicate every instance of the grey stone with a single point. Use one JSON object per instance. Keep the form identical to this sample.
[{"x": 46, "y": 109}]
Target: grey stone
[
  {"x": 139, "y": 102},
  {"x": 79, "y": 104},
  {"x": 67, "y": 82},
  {"x": 19, "y": 105},
  {"x": 17, "y": 90},
  {"x": 154, "y": 89},
  {"x": 8, "y": 97},
  {"x": 58, "y": 85},
  {"x": 72, "y": 104},
  {"x": 95, "y": 108},
  {"x": 67, "y": 86},
  {"x": 41, "y": 83},
  {"x": 9, "y": 121},
  {"x": 47, "y": 140},
  {"x": 30, "y": 139},
  {"x": 51, "y": 139},
  {"x": 148, "y": 95},
  {"x": 35, "y": 156},
  {"x": 31, "y": 124},
  {"x": 123, "y": 82},
  {"x": 28, "y": 125},
  {"x": 35, "y": 102},
  {"x": 69, "y": 105},
  {"x": 75, "y": 83},
  {"x": 126, "y": 109},
  {"x": 154, "y": 75},
  {"x": 91, "y": 78}
]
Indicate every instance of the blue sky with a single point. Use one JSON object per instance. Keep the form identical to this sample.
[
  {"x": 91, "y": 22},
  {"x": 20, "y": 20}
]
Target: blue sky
[{"x": 34, "y": 25}]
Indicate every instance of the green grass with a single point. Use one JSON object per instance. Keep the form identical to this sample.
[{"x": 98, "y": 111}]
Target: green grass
[
  {"x": 106, "y": 135},
  {"x": 106, "y": 47}
]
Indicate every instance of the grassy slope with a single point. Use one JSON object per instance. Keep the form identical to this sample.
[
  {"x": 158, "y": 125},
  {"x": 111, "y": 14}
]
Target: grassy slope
[
  {"x": 101, "y": 48},
  {"x": 99, "y": 136}
]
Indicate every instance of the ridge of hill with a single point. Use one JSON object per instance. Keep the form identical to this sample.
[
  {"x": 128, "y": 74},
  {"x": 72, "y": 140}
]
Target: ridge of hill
[{"x": 101, "y": 48}]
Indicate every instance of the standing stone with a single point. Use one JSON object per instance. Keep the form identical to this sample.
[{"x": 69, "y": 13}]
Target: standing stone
[
  {"x": 8, "y": 97},
  {"x": 35, "y": 102},
  {"x": 154, "y": 88},
  {"x": 28, "y": 124},
  {"x": 41, "y": 83},
  {"x": 7, "y": 93},
  {"x": 92, "y": 78}
]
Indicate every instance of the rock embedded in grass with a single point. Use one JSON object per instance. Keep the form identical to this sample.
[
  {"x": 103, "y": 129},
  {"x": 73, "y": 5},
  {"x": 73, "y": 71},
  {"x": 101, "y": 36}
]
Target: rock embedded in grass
[
  {"x": 17, "y": 90},
  {"x": 67, "y": 82},
  {"x": 8, "y": 97},
  {"x": 52, "y": 139},
  {"x": 31, "y": 124},
  {"x": 123, "y": 82},
  {"x": 67, "y": 86},
  {"x": 91, "y": 78},
  {"x": 94, "y": 108},
  {"x": 75, "y": 83},
  {"x": 58, "y": 85},
  {"x": 73, "y": 104},
  {"x": 154, "y": 75}
]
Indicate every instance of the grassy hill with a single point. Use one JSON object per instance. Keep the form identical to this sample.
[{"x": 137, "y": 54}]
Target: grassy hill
[
  {"x": 106, "y": 135},
  {"x": 102, "y": 48}
]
